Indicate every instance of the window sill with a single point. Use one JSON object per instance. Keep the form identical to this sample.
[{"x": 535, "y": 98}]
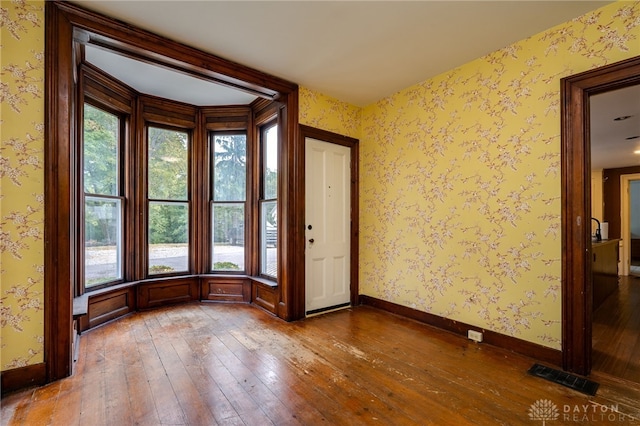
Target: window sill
[
  {"x": 265, "y": 281},
  {"x": 126, "y": 284},
  {"x": 80, "y": 306}
]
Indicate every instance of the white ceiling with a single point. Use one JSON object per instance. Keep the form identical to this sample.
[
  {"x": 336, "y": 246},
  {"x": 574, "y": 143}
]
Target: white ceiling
[
  {"x": 611, "y": 143},
  {"x": 163, "y": 82},
  {"x": 356, "y": 51}
]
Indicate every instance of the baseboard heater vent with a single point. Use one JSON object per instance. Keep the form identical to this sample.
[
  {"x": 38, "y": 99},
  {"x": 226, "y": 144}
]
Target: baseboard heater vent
[{"x": 565, "y": 379}]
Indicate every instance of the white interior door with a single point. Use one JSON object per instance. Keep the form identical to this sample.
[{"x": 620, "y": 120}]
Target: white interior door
[{"x": 328, "y": 225}]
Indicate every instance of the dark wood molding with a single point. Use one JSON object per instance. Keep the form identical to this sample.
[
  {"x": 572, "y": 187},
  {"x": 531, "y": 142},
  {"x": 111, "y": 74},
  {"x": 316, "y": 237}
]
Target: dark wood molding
[
  {"x": 353, "y": 144},
  {"x": 23, "y": 377},
  {"x": 226, "y": 118},
  {"x": 165, "y": 112},
  {"x": 287, "y": 196},
  {"x": 59, "y": 264},
  {"x": 293, "y": 286},
  {"x": 503, "y": 341},
  {"x": 576, "y": 204},
  {"x": 104, "y": 89},
  {"x": 199, "y": 211}
]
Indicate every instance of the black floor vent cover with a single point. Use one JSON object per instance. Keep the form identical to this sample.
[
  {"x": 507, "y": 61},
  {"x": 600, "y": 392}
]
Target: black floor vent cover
[{"x": 564, "y": 379}]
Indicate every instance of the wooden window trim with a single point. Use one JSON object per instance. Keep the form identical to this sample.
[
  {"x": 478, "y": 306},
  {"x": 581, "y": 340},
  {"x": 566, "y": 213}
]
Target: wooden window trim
[
  {"x": 159, "y": 122},
  {"x": 103, "y": 92},
  {"x": 267, "y": 123},
  {"x": 222, "y": 119},
  {"x": 234, "y": 127}
]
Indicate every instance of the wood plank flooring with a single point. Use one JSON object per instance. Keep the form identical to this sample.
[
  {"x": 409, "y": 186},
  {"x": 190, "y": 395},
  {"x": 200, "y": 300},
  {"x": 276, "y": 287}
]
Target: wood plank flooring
[
  {"x": 234, "y": 364},
  {"x": 616, "y": 332}
]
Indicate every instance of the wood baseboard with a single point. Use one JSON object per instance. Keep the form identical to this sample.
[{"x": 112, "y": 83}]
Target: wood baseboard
[
  {"x": 532, "y": 350},
  {"x": 23, "y": 377}
]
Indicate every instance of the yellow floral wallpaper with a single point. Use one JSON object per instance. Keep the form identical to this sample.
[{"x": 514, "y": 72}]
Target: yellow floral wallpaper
[
  {"x": 21, "y": 180},
  {"x": 460, "y": 181},
  {"x": 326, "y": 113}
]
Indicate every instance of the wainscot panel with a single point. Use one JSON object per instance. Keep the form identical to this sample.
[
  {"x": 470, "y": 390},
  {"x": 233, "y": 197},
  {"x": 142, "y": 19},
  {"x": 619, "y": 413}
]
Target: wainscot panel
[
  {"x": 227, "y": 289},
  {"x": 107, "y": 306},
  {"x": 265, "y": 296},
  {"x": 166, "y": 292}
]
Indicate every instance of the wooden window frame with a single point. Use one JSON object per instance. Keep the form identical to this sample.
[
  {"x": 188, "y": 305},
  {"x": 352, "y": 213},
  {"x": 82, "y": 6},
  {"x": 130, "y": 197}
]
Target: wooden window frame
[
  {"x": 122, "y": 185},
  {"x": 248, "y": 195},
  {"x": 145, "y": 203},
  {"x": 102, "y": 92},
  {"x": 261, "y": 199},
  {"x": 224, "y": 119}
]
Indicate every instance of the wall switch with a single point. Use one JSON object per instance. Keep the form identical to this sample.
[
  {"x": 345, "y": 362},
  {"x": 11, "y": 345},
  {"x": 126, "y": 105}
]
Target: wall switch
[{"x": 476, "y": 336}]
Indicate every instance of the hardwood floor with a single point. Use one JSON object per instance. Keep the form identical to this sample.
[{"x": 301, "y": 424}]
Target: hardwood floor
[
  {"x": 616, "y": 332},
  {"x": 232, "y": 364}
]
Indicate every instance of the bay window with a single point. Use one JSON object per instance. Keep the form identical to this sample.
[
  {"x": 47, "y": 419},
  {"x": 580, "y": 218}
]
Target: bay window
[
  {"x": 99, "y": 242},
  {"x": 172, "y": 189}
]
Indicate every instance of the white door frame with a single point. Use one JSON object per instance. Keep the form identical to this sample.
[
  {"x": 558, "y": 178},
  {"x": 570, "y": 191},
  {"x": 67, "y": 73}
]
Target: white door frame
[{"x": 625, "y": 222}]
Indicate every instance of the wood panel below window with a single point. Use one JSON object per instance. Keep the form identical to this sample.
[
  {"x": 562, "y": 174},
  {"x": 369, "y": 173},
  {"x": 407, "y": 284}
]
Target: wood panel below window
[
  {"x": 108, "y": 306},
  {"x": 226, "y": 289},
  {"x": 265, "y": 296},
  {"x": 161, "y": 293}
]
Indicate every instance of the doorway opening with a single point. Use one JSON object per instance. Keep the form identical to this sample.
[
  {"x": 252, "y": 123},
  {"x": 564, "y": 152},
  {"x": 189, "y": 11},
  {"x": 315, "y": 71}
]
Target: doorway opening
[{"x": 577, "y": 285}]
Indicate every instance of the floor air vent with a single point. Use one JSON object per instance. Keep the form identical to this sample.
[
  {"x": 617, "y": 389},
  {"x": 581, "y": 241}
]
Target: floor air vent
[{"x": 564, "y": 379}]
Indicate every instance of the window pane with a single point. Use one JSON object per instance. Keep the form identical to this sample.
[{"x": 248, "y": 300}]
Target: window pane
[
  {"x": 230, "y": 167},
  {"x": 270, "y": 154},
  {"x": 269, "y": 238},
  {"x": 168, "y": 164},
  {"x": 102, "y": 240},
  {"x": 228, "y": 237},
  {"x": 100, "y": 151},
  {"x": 168, "y": 237}
]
